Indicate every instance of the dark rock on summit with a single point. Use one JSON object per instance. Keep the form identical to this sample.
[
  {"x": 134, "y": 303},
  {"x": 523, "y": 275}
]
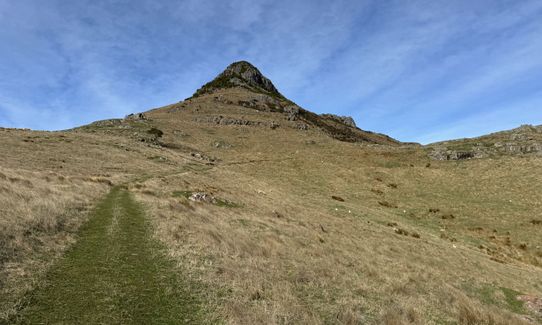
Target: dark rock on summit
[
  {"x": 262, "y": 95},
  {"x": 241, "y": 74}
]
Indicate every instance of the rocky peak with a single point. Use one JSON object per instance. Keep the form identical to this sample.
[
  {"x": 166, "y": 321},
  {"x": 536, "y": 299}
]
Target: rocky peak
[
  {"x": 527, "y": 128},
  {"x": 241, "y": 74}
]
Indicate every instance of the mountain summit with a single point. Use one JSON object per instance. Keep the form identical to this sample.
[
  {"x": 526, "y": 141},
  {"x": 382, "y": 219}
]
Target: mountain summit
[
  {"x": 242, "y": 97},
  {"x": 241, "y": 85},
  {"x": 241, "y": 74}
]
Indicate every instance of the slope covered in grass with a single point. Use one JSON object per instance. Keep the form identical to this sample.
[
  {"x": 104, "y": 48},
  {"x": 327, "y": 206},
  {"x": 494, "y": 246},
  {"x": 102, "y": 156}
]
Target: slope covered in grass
[{"x": 114, "y": 274}]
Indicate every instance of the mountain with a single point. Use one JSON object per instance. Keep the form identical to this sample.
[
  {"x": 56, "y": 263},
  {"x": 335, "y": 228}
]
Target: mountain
[
  {"x": 524, "y": 140},
  {"x": 243, "y": 85},
  {"x": 238, "y": 206},
  {"x": 242, "y": 96}
]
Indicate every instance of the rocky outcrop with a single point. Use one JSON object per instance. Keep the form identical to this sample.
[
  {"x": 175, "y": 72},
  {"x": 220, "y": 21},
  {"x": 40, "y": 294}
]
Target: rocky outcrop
[
  {"x": 240, "y": 74},
  {"x": 444, "y": 154},
  {"x": 202, "y": 197},
  {"x": 136, "y": 117},
  {"x": 346, "y": 120},
  {"x": 244, "y": 73},
  {"x": 222, "y": 120},
  {"x": 243, "y": 85},
  {"x": 525, "y": 140},
  {"x": 265, "y": 104},
  {"x": 204, "y": 157},
  {"x": 518, "y": 148},
  {"x": 292, "y": 112}
]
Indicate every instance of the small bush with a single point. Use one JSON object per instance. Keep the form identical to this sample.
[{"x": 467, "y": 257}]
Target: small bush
[
  {"x": 156, "y": 132},
  {"x": 377, "y": 191},
  {"x": 401, "y": 231},
  {"x": 226, "y": 204}
]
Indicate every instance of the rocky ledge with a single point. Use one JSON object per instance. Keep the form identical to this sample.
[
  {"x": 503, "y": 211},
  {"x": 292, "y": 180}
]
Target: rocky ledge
[{"x": 525, "y": 140}]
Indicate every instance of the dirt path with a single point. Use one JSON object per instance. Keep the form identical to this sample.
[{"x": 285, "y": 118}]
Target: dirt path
[{"x": 115, "y": 274}]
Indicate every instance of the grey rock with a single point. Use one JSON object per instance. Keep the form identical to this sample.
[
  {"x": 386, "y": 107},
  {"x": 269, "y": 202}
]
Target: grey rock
[
  {"x": 136, "y": 117},
  {"x": 202, "y": 197},
  {"x": 244, "y": 73},
  {"x": 221, "y": 145},
  {"x": 221, "y": 120},
  {"x": 292, "y": 112},
  {"x": 443, "y": 153},
  {"x": 346, "y": 120},
  {"x": 201, "y": 156},
  {"x": 524, "y": 140},
  {"x": 240, "y": 74}
]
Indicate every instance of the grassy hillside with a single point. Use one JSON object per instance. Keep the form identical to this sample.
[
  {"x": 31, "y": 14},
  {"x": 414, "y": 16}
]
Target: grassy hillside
[{"x": 285, "y": 224}]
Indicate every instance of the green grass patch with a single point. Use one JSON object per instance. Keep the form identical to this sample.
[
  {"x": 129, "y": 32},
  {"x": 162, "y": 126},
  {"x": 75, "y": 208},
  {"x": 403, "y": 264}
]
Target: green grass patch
[
  {"x": 391, "y": 164},
  {"x": 185, "y": 194},
  {"x": 498, "y": 296},
  {"x": 226, "y": 204},
  {"x": 513, "y": 303},
  {"x": 196, "y": 167},
  {"x": 158, "y": 158},
  {"x": 116, "y": 273}
]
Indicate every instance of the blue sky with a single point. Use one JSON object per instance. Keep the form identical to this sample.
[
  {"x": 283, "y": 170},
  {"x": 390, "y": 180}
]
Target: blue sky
[{"x": 417, "y": 70}]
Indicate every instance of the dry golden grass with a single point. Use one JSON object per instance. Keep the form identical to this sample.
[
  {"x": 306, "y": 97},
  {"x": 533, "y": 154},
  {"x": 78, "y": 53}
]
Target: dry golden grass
[
  {"x": 287, "y": 256},
  {"x": 455, "y": 243},
  {"x": 48, "y": 182},
  {"x": 292, "y": 254},
  {"x": 39, "y": 212}
]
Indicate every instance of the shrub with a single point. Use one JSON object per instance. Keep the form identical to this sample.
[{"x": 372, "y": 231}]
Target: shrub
[{"x": 156, "y": 132}]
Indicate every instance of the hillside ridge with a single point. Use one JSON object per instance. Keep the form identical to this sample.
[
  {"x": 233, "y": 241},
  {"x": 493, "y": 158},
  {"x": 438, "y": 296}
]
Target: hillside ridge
[
  {"x": 523, "y": 140},
  {"x": 242, "y": 85}
]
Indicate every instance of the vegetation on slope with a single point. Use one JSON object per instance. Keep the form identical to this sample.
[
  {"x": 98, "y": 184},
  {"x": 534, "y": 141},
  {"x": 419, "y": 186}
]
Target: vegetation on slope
[
  {"x": 39, "y": 213},
  {"x": 114, "y": 274}
]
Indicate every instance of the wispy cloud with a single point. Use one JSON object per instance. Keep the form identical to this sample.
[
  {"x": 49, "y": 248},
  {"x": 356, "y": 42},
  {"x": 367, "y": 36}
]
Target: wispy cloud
[{"x": 418, "y": 70}]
